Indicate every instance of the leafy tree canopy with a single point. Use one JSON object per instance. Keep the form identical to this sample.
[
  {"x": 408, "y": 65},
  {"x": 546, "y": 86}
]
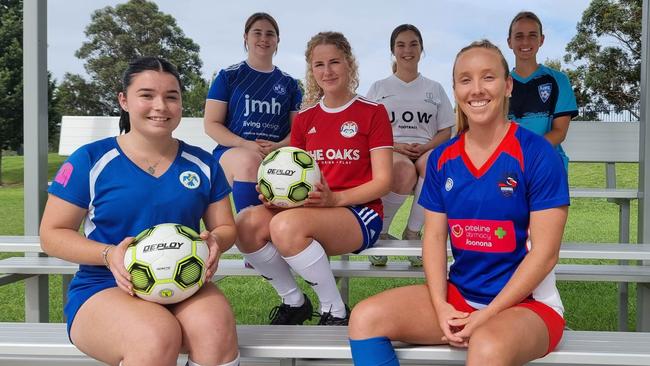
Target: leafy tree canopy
[
  {"x": 114, "y": 37},
  {"x": 607, "y": 52}
]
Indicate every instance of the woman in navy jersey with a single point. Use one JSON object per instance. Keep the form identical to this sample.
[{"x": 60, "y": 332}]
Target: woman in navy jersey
[
  {"x": 421, "y": 116},
  {"x": 118, "y": 187},
  {"x": 351, "y": 140},
  {"x": 249, "y": 109},
  {"x": 500, "y": 194}
]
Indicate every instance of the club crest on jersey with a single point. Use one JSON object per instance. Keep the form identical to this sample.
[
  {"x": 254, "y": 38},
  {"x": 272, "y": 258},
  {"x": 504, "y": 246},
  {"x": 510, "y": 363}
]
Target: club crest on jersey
[
  {"x": 280, "y": 89},
  {"x": 190, "y": 179},
  {"x": 449, "y": 184},
  {"x": 349, "y": 129},
  {"x": 508, "y": 186},
  {"x": 544, "y": 91},
  {"x": 428, "y": 98}
]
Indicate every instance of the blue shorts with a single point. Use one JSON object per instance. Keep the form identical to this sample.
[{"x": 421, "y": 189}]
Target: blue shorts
[
  {"x": 84, "y": 285},
  {"x": 371, "y": 224},
  {"x": 219, "y": 150}
]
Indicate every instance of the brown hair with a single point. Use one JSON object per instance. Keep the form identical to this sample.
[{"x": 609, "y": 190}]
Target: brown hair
[
  {"x": 313, "y": 92},
  {"x": 525, "y": 15},
  {"x": 396, "y": 32},
  {"x": 260, "y": 16},
  {"x": 461, "y": 117}
]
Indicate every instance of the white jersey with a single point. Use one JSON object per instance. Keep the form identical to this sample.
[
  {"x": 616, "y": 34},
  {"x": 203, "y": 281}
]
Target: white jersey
[{"x": 417, "y": 110}]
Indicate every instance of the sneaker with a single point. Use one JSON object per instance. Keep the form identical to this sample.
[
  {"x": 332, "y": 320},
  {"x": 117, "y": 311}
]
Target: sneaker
[
  {"x": 284, "y": 314},
  {"x": 329, "y": 319},
  {"x": 381, "y": 260},
  {"x": 416, "y": 261}
]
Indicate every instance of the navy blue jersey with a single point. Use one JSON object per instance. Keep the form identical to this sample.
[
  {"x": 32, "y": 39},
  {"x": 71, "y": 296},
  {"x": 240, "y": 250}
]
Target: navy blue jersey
[
  {"x": 121, "y": 199},
  {"x": 488, "y": 209},
  {"x": 259, "y": 103},
  {"x": 541, "y": 97}
]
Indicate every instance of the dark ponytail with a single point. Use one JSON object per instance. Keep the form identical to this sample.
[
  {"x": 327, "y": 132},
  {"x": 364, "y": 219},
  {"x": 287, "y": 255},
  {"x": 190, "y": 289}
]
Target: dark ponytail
[{"x": 137, "y": 66}]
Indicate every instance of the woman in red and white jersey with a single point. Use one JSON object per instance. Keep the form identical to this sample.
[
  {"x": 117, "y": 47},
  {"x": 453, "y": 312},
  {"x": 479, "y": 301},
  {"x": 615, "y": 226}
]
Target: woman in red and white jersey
[{"x": 351, "y": 139}]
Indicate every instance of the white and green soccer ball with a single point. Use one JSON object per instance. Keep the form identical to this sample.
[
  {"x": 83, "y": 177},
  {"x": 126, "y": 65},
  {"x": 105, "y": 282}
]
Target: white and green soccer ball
[
  {"x": 166, "y": 263},
  {"x": 287, "y": 175}
]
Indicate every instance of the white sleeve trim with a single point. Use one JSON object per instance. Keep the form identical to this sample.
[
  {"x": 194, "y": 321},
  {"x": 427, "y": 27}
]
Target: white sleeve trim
[{"x": 381, "y": 147}]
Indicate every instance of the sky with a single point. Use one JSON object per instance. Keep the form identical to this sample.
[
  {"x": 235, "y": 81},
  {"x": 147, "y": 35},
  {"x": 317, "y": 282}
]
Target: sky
[{"x": 218, "y": 27}]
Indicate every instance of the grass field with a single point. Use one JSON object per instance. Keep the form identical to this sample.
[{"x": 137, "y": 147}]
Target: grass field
[{"x": 589, "y": 305}]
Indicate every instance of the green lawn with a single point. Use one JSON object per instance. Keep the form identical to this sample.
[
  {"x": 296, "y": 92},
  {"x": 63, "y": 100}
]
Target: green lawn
[{"x": 590, "y": 305}]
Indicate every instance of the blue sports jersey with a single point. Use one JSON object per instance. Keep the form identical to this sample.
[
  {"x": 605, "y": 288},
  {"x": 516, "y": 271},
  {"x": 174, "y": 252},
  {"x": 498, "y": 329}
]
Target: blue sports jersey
[
  {"x": 122, "y": 199},
  {"x": 541, "y": 97},
  {"x": 488, "y": 209},
  {"x": 259, "y": 103}
]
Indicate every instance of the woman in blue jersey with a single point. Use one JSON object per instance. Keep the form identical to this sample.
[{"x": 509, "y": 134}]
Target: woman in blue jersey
[
  {"x": 249, "y": 109},
  {"x": 500, "y": 193},
  {"x": 118, "y": 187},
  {"x": 421, "y": 116},
  {"x": 542, "y": 98}
]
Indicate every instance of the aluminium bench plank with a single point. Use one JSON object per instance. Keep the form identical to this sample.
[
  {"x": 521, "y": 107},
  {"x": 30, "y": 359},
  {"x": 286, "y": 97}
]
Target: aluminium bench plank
[
  {"x": 18, "y": 244},
  {"x": 394, "y": 269},
  {"x": 303, "y": 342}
]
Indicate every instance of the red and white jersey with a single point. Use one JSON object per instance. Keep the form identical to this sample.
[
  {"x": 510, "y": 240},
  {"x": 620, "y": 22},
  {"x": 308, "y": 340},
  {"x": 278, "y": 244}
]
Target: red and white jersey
[{"x": 341, "y": 140}]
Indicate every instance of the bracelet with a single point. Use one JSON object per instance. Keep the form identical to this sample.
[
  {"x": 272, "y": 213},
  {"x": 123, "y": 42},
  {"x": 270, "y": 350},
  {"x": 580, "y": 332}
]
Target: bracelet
[{"x": 105, "y": 256}]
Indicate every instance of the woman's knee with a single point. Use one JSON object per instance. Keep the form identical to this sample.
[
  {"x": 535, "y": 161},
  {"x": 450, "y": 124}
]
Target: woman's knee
[
  {"x": 367, "y": 320},
  {"x": 404, "y": 176},
  {"x": 156, "y": 343},
  {"x": 244, "y": 164},
  {"x": 490, "y": 350},
  {"x": 287, "y": 232},
  {"x": 252, "y": 228}
]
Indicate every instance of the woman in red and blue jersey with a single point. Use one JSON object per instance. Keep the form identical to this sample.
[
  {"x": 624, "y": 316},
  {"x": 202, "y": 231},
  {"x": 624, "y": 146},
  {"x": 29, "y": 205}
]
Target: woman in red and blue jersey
[{"x": 500, "y": 193}]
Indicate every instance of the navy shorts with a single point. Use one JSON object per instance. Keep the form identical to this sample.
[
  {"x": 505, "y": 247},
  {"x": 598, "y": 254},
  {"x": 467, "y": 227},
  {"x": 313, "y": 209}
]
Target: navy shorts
[
  {"x": 371, "y": 224},
  {"x": 219, "y": 150}
]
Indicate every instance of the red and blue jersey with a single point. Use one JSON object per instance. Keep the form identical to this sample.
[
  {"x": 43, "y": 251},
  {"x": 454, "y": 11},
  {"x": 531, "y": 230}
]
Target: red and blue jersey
[{"x": 488, "y": 209}]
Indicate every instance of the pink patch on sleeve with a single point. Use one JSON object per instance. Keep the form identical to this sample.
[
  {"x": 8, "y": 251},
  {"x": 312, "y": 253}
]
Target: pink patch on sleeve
[{"x": 63, "y": 176}]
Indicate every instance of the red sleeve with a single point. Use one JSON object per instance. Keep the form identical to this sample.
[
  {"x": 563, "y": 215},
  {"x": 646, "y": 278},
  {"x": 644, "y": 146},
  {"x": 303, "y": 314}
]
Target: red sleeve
[
  {"x": 381, "y": 133},
  {"x": 298, "y": 132}
]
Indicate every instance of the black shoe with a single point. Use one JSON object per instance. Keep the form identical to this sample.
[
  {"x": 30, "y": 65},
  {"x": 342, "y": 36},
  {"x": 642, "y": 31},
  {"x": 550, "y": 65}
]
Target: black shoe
[
  {"x": 284, "y": 314},
  {"x": 329, "y": 319}
]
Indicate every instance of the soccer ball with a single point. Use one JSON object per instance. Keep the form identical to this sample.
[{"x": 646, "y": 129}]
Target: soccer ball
[
  {"x": 287, "y": 175},
  {"x": 166, "y": 263}
]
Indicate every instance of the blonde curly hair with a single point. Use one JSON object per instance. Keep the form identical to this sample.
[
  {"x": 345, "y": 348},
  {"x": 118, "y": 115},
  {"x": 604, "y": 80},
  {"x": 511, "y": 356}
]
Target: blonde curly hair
[{"x": 313, "y": 92}]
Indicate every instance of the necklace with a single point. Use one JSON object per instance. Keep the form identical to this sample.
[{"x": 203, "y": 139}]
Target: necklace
[{"x": 151, "y": 169}]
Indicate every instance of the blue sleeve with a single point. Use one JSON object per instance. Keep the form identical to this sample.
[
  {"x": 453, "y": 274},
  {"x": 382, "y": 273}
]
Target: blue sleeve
[
  {"x": 566, "y": 101},
  {"x": 546, "y": 177},
  {"x": 431, "y": 196},
  {"x": 296, "y": 96},
  {"x": 71, "y": 182},
  {"x": 220, "y": 90},
  {"x": 220, "y": 187}
]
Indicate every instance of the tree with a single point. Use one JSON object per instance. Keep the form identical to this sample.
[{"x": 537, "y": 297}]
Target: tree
[
  {"x": 607, "y": 50},
  {"x": 117, "y": 35},
  {"x": 11, "y": 81}
]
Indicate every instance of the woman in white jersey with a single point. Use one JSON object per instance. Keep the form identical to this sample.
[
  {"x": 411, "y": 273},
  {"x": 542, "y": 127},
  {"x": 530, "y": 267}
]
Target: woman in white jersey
[{"x": 421, "y": 116}]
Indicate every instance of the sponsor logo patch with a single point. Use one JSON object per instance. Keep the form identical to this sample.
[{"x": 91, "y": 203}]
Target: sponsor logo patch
[
  {"x": 492, "y": 236},
  {"x": 190, "y": 179},
  {"x": 63, "y": 176}
]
